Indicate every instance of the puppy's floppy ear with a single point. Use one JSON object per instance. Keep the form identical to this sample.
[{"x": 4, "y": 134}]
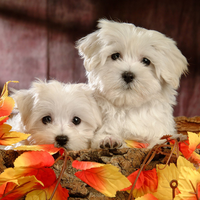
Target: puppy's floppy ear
[
  {"x": 24, "y": 103},
  {"x": 170, "y": 64},
  {"x": 89, "y": 48}
]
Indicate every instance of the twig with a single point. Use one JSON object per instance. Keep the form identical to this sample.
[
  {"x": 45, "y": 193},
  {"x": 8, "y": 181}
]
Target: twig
[
  {"x": 61, "y": 173},
  {"x": 143, "y": 164}
]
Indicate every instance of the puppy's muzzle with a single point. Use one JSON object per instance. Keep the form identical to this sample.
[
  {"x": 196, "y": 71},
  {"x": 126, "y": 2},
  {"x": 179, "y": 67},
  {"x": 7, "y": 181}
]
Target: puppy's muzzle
[
  {"x": 128, "y": 77},
  {"x": 61, "y": 140}
]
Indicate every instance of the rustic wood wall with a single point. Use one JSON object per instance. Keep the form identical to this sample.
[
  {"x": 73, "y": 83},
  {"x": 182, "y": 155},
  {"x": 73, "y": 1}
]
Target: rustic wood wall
[{"x": 37, "y": 38}]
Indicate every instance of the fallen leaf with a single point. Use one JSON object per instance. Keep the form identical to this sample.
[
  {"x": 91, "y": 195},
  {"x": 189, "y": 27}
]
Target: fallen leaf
[
  {"x": 134, "y": 144},
  {"x": 147, "y": 197},
  {"x": 105, "y": 178},
  {"x": 147, "y": 182},
  {"x": 60, "y": 194},
  {"x": 50, "y": 148},
  {"x": 6, "y": 103},
  {"x": 85, "y": 165},
  {"x": 36, "y": 159},
  {"x": 188, "y": 184},
  {"x": 15, "y": 191},
  {"x": 8, "y": 137},
  {"x": 166, "y": 174}
]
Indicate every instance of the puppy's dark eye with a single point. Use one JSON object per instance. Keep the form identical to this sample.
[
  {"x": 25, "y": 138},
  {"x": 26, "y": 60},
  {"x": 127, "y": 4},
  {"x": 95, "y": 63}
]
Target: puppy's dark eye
[
  {"x": 146, "y": 61},
  {"x": 115, "y": 56},
  {"x": 76, "y": 120},
  {"x": 46, "y": 119}
]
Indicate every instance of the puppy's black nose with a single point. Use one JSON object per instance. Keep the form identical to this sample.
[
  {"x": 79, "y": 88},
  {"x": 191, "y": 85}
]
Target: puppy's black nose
[
  {"x": 62, "y": 140},
  {"x": 128, "y": 77}
]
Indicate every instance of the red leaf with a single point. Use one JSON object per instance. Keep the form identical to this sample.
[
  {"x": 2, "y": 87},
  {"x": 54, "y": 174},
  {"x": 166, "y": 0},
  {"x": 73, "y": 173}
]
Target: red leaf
[
  {"x": 147, "y": 182},
  {"x": 37, "y": 159}
]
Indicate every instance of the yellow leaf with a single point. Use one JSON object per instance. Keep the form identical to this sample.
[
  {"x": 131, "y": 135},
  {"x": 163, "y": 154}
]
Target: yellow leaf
[
  {"x": 10, "y": 175},
  {"x": 5, "y": 89},
  {"x": 36, "y": 195},
  {"x": 147, "y": 197},
  {"x": 194, "y": 140},
  {"x": 9, "y": 138},
  {"x": 43, "y": 147},
  {"x": 188, "y": 180},
  {"x": 14, "y": 174},
  {"x": 165, "y": 176},
  {"x": 183, "y": 162}
]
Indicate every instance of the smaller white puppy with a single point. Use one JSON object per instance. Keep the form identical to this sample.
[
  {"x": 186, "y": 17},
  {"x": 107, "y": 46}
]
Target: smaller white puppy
[
  {"x": 135, "y": 73},
  {"x": 56, "y": 113}
]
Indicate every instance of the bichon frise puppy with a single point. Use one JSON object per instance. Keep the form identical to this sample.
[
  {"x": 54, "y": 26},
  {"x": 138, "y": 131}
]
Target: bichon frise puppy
[
  {"x": 135, "y": 73},
  {"x": 56, "y": 113}
]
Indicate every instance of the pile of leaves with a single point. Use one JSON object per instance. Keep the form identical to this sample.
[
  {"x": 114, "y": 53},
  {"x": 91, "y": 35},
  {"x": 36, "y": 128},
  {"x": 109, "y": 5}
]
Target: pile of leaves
[{"x": 33, "y": 177}]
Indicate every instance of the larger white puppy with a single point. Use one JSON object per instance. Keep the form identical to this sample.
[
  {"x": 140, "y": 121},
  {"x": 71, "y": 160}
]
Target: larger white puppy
[
  {"x": 135, "y": 73},
  {"x": 55, "y": 113}
]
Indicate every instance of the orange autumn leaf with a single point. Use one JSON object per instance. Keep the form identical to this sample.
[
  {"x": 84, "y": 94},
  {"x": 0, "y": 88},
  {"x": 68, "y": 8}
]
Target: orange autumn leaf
[
  {"x": 28, "y": 164},
  {"x": 15, "y": 191},
  {"x": 36, "y": 159},
  {"x": 85, "y": 165},
  {"x": 50, "y": 148},
  {"x": 188, "y": 147},
  {"x": 45, "y": 175},
  {"x": 105, "y": 178},
  {"x": 147, "y": 182},
  {"x": 147, "y": 197},
  {"x": 134, "y": 144},
  {"x": 8, "y": 137},
  {"x": 6, "y": 103},
  {"x": 60, "y": 194}
]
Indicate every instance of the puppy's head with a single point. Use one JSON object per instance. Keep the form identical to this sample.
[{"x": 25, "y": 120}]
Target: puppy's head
[
  {"x": 56, "y": 113},
  {"x": 130, "y": 65}
]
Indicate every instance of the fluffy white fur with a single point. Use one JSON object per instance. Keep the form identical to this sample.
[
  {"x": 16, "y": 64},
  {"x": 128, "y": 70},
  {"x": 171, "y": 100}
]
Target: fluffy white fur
[
  {"x": 62, "y": 102},
  {"x": 141, "y": 110}
]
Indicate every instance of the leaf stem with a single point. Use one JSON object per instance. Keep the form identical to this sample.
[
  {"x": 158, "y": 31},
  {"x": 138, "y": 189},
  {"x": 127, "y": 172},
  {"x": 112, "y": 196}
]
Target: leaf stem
[{"x": 66, "y": 154}]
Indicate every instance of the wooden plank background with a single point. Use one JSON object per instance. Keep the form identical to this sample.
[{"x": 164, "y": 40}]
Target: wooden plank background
[{"x": 37, "y": 38}]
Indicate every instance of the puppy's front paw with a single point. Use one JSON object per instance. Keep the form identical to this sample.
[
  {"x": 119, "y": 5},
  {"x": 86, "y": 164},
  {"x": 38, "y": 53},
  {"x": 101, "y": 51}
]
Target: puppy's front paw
[{"x": 110, "y": 142}]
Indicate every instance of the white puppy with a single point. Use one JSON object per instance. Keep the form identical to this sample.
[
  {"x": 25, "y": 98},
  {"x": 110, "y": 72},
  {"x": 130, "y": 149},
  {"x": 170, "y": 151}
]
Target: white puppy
[
  {"x": 56, "y": 113},
  {"x": 135, "y": 73}
]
